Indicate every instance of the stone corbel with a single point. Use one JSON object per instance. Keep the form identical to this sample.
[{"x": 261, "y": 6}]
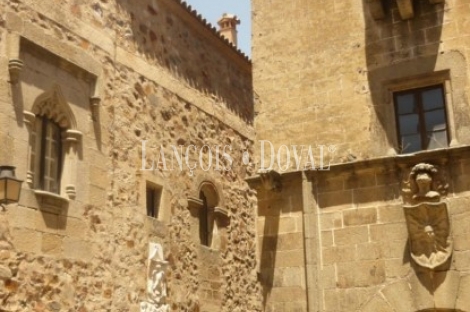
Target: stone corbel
[
  {"x": 376, "y": 9},
  {"x": 73, "y": 137},
  {"x": 29, "y": 119},
  {"x": 15, "y": 65},
  {"x": 406, "y": 9},
  {"x": 95, "y": 102},
  {"x": 271, "y": 180}
]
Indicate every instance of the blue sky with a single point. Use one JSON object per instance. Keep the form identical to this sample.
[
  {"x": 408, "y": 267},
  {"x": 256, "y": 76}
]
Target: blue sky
[{"x": 212, "y": 10}]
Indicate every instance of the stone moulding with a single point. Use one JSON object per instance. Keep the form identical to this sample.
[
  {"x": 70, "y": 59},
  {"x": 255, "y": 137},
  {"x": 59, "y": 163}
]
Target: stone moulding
[{"x": 51, "y": 202}]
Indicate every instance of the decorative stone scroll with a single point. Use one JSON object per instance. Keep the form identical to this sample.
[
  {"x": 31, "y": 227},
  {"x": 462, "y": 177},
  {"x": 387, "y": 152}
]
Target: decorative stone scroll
[
  {"x": 156, "y": 285},
  {"x": 426, "y": 216}
]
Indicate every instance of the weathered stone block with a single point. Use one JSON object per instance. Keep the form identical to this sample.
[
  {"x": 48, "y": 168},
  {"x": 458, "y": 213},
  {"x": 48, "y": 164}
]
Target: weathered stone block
[
  {"x": 360, "y": 216},
  {"x": 391, "y": 214},
  {"x": 338, "y": 254},
  {"x": 339, "y": 199},
  {"x": 331, "y": 220},
  {"x": 388, "y": 232},
  {"x": 399, "y": 296},
  {"x": 51, "y": 244},
  {"x": 377, "y": 304},
  {"x": 351, "y": 235},
  {"x": 361, "y": 273}
]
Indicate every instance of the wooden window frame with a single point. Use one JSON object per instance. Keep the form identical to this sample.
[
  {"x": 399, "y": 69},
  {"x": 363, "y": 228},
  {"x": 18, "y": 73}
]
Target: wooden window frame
[
  {"x": 45, "y": 156},
  {"x": 417, "y": 94}
]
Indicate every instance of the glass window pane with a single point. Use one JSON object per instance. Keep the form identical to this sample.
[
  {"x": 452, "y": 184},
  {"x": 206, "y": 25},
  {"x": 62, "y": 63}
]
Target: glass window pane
[
  {"x": 437, "y": 139},
  {"x": 432, "y": 99},
  {"x": 409, "y": 124},
  {"x": 411, "y": 143},
  {"x": 406, "y": 104},
  {"x": 435, "y": 120}
]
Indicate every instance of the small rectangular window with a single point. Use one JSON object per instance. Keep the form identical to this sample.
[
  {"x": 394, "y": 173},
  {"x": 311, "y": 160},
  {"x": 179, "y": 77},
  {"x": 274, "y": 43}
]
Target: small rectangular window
[
  {"x": 421, "y": 119},
  {"x": 153, "y": 194}
]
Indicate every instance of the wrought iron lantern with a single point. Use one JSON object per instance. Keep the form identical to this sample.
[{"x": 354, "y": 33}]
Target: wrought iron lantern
[{"x": 10, "y": 186}]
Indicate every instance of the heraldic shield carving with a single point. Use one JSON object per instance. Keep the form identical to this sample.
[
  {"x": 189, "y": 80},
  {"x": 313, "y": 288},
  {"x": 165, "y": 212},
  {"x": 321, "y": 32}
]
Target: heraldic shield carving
[{"x": 426, "y": 216}]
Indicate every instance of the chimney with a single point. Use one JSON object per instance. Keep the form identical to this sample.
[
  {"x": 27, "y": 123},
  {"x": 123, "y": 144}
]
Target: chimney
[{"x": 228, "y": 27}]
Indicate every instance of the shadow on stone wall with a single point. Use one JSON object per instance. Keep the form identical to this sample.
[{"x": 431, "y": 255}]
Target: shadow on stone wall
[
  {"x": 163, "y": 34},
  {"x": 398, "y": 49}
]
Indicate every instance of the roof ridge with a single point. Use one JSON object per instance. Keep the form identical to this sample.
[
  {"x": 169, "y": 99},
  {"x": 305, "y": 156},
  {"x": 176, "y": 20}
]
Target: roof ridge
[{"x": 212, "y": 28}]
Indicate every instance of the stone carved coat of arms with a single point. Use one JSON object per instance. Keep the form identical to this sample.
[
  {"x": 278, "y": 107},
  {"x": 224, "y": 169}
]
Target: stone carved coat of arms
[{"x": 427, "y": 217}]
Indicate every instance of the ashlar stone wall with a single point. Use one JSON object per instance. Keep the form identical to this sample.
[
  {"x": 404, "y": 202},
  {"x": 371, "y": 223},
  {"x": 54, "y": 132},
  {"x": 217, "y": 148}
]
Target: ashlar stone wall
[{"x": 331, "y": 67}]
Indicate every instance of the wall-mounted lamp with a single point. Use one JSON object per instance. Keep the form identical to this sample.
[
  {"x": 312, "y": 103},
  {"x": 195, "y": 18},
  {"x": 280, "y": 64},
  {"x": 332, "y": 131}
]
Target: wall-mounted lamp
[{"x": 10, "y": 186}]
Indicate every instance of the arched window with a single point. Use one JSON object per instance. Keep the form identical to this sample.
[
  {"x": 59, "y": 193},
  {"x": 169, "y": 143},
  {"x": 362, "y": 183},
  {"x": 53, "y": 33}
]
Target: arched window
[
  {"x": 53, "y": 145},
  {"x": 212, "y": 218},
  {"x": 49, "y": 150},
  {"x": 209, "y": 199}
]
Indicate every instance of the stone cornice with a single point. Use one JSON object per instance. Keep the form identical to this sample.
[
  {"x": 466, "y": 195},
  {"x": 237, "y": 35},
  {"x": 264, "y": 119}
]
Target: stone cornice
[{"x": 387, "y": 163}]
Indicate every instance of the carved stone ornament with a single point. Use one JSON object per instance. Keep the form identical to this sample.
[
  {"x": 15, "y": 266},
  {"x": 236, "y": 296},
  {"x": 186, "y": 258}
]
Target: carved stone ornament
[
  {"x": 426, "y": 216},
  {"x": 156, "y": 285}
]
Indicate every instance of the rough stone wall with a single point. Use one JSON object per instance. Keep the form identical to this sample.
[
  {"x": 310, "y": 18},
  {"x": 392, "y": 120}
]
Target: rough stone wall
[
  {"x": 327, "y": 64},
  {"x": 159, "y": 83}
]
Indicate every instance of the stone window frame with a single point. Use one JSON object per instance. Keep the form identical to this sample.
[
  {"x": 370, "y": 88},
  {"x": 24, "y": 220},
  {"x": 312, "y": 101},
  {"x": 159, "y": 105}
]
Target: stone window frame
[
  {"x": 52, "y": 105},
  {"x": 153, "y": 178},
  {"x": 443, "y": 78},
  {"x": 214, "y": 212},
  {"x": 157, "y": 194}
]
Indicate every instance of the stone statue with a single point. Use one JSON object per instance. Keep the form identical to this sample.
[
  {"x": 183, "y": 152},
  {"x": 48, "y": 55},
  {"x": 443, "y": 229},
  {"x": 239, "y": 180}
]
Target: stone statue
[
  {"x": 427, "y": 218},
  {"x": 156, "y": 286}
]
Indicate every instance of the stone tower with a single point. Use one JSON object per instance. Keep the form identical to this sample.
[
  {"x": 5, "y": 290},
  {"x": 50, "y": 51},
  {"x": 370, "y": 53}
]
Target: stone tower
[{"x": 380, "y": 91}]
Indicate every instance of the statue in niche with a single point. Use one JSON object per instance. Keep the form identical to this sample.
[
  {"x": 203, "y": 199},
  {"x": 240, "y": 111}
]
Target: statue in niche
[
  {"x": 156, "y": 286},
  {"x": 426, "y": 217}
]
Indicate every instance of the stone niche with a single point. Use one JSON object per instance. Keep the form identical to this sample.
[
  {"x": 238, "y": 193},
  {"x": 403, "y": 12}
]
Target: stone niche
[{"x": 156, "y": 284}]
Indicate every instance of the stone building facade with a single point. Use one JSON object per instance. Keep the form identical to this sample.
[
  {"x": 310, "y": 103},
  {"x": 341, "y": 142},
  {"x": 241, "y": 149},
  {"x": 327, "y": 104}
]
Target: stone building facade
[
  {"x": 92, "y": 93},
  {"x": 373, "y": 217},
  {"x": 383, "y": 86}
]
